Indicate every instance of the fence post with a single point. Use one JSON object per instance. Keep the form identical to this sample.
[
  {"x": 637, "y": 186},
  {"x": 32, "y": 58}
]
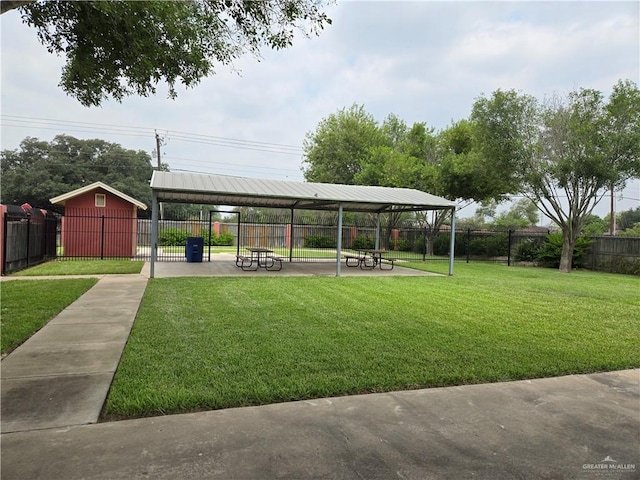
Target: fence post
[
  {"x": 102, "y": 240},
  {"x": 290, "y": 234},
  {"x": 509, "y": 250},
  {"x": 468, "y": 242},
  {"x": 5, "y": 221},
  {"x": 216, "y": 226},
  {"x": 28, "y": 238}
]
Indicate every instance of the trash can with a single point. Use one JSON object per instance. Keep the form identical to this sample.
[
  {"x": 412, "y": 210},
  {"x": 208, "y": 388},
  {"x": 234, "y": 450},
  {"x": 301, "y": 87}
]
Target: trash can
[{"x": 195, "y": 246}]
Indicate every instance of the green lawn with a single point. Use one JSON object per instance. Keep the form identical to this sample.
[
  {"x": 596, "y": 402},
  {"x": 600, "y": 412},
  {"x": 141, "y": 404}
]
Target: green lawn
[
  {"x": 82, "y": 267},
  {"x": 28, "y": 305},
  {"x": 207, "y": 343}
]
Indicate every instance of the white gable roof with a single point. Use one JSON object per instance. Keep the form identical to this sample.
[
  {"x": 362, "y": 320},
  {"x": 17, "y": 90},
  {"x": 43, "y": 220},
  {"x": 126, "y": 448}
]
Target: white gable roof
[
  {"x": 61, "y": 199},
  {"x": 239, "y": 191}
]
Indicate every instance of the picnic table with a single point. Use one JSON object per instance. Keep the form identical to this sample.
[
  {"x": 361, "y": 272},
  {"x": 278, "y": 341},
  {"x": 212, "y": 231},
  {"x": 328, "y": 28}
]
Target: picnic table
[
  {"x": 370, "y": 258},
  {"x": 259, "y": 258}
]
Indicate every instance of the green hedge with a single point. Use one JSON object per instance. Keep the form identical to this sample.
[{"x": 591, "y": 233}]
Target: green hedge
[
  {"x": 320, "y": 241},
  {"x": 178, "y": 237},
  {"x": 363, "y": 242}
]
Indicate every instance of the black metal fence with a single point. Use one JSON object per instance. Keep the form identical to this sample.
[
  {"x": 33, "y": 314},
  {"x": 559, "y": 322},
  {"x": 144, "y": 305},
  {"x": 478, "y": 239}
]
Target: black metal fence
[
  {"x": 32, "y": 237},
  {"x": 87, "y": 234},
  {"x": 29, "y": 238},
  {"x": 307, "y": 238}
]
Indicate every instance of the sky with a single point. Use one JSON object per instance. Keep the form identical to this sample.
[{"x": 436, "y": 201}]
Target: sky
[{"x": 424, "y": 61}]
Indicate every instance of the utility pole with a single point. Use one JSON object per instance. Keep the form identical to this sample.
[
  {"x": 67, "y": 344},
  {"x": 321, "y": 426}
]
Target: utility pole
[
  {"x": 612, "y": 220},
  {"x": 159, "y": 143}
]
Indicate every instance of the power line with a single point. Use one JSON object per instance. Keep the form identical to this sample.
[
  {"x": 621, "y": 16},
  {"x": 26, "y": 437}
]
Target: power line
[
  {"x": 73, "y": 122},
  {"x": 137, "y": 131},
  {"x": 226, "y": 164},
  {"x": 79, "y": 130}
]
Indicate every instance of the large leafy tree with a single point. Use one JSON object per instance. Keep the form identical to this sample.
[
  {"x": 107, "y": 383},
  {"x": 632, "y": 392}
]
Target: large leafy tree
[
  {"x": 336, "y": 151},
  {"x": 40, "y": 170},
  {"x": 116, "y": 48},
  {"x": 351, "y": 147},
  {"x": 628, "y": 218},
  {"x": 565, "y": 152}
]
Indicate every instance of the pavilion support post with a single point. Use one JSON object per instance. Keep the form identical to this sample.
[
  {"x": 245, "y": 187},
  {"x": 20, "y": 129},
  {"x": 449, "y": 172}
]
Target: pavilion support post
[
  {"x": 377, "y": 246},
  {"x": 452, "y": 246},
  {"x": 291, "y": 236},
  {"x": 154, "y": 234},
  {"x": 339, "y": 242}
]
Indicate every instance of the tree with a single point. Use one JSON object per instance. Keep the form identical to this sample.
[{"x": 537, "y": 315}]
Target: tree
[
  {"x": 340, "y": 145},
  {"x": 120, "y": 48},
  {"x": 503, "y": 128},
  {"x": 350, "y": 147},
  {"x": 40, "y": 170},
  {"x": 594, "y": 225},
  {"x": 522, "y": 213},
  {"x": 628, "y": 218},
  {"x": 565, "y": 152}
]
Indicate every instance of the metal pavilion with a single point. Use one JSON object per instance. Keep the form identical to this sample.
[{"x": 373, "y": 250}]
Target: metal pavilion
[{"x": 252, "y": 192}]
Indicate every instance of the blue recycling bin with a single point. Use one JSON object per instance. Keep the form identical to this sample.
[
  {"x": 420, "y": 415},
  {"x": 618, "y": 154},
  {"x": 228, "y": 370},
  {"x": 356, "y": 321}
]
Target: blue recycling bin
[{"x": 194, "y": 249}]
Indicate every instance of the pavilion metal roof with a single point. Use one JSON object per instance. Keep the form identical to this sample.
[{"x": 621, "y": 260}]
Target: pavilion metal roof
[{"x": 252, "y": 192}]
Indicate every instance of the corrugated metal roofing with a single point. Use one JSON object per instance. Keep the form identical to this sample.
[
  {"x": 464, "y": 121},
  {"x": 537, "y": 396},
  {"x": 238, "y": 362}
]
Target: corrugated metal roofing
[{"x": 239, "y": 191}]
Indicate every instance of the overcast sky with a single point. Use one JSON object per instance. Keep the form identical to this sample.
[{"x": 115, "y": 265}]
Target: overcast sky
[{"x": 423, "y": 61}]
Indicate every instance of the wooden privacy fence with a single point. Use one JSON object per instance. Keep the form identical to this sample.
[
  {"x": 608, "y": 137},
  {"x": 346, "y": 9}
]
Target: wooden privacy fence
[
  {"x": 614, "y": 254},
  {"x": 28, "y": 237}
]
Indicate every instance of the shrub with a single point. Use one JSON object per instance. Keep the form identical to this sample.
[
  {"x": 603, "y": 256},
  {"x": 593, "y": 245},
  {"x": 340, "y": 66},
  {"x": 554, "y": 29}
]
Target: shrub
[
  {"x": 489, "y": 246},
  {"x": 419, "y": 246},
  {"x": 225, "y": 238},
  {"x": 477, "y": 247},
  {"x": 363, "y": 242},
  {"x": 177, "y": 237},
  {"x": 442, "y": 241},
  {"x": 173, "y": 236},
  {"x": 403, "y": 245},
  {"x": 526, "y": 250},
  {"x": 622, "y": 265},
  {"x": 551, "y": 251},
  {"x": 497, "y": 245},
  {"x": 319, "y": 241}
]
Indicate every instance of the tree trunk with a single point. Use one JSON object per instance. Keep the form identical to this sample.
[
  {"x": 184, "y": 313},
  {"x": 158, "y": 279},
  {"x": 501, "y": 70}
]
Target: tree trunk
[
  {"x": 431, "y": 242},
  {"x": 566, "y": 259}
]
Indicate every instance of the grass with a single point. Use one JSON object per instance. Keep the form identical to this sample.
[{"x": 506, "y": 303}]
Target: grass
[
  {"x": 208, "y": 343},
  {"x": 28, "y": 305},
  {"x": 82, "y": 267}
]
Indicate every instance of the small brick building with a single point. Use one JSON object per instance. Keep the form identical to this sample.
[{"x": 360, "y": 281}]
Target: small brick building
[{"x": 99, "y": 222}]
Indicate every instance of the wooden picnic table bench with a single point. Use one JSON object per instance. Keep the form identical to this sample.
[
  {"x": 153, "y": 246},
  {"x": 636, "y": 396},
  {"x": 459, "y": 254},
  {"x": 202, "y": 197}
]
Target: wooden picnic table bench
[
  {"x": 276, "y": 263},
  {"x": 246, "y": 263},
  {"x": 368, "y": 259},
  {"x": 360, "y": 261}
]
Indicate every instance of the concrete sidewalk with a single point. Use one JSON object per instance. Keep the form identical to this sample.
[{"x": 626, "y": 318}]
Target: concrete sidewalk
[
  {"x": 574, "y": 427},
  {"x": 62, "y": 374}
]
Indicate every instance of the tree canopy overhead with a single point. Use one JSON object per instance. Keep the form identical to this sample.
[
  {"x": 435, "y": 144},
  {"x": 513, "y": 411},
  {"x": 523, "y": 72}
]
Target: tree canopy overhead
[{"x": 118, "y": 48}]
